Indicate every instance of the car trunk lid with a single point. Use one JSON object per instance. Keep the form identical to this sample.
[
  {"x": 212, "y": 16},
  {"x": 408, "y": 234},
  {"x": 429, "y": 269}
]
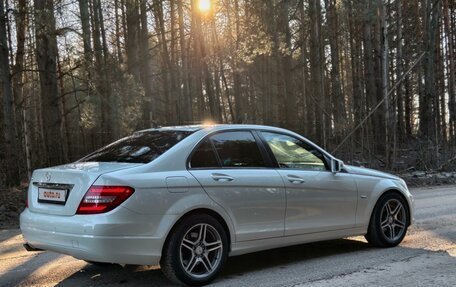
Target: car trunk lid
[{"x": 75, "y": 178}]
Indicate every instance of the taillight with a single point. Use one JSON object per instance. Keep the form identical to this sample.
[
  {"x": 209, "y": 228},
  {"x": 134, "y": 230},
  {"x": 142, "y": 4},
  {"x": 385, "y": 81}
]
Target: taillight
[{"x": 100, "y": 199}]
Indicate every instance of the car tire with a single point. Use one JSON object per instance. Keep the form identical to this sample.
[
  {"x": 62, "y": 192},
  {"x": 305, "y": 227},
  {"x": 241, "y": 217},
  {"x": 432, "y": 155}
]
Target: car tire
[
  {"x": 389, "y": 221},
  {"x": 195, "y": 251}
]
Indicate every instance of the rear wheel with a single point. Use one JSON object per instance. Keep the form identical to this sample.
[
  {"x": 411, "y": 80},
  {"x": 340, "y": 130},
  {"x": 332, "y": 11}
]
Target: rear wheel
[
  {"x": 196, "y": 251},
  {"x": 389, "y": 221}
]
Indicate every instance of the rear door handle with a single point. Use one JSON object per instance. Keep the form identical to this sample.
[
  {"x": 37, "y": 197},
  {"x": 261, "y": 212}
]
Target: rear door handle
[
  {"x": 295, "y": 179},
  {"x": 221, "y": 177}
]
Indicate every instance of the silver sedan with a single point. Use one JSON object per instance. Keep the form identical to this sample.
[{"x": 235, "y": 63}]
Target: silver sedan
[{"x": 187, "y": 197}]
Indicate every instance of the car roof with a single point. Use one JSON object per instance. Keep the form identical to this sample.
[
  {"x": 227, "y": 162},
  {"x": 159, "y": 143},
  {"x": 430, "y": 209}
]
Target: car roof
[
  {"x": 190, "y": 128},
  {"x": 212, "y": 127}
]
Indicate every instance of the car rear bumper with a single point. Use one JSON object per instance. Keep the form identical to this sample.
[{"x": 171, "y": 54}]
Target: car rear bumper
[{"x": 94, "y": 238}]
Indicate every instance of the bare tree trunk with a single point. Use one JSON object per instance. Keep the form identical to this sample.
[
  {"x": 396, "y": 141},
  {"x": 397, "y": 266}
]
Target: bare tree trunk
[
  {"x": 241, "y": 104},
  {"x": 62, "y": 107},
  {"x": 18, "y": 81},
  {"x": 218, "y": 96},
  {"x": 117, "y": 23},
  {"x": 439, "y": 101},
  {"x": 304, "y": 86},
  {"x": 132, "y": 37},
  {"x": 175, "y": 88},
  {"x": 356, "y": 69},
  {"x": 9, "y": 135},
  {"x": 390, "y": 130},
  {"x": 88, "y": 51},
  {"x": 85, "y": 25},
  {"x": 97, "y": 79},
  {"x": 186, "y": 96},
  {"x": 427, "y": 109},
  {"x": 451, "y": 69},
  {"x": 166, "y": 62},
  {"x": 291, "y": 111},
  {"x": 46, "y": 56},
  {"x": 399, "y": 69},
  {"x": 109, "y": 114},
  {"x": 227, "y": 93},
  {"x": 317, "y": 70},
  {"x": 336, "y": 89},
  {"x": 148, "y": 115},
  {"x": 369, "y": 70},
  {"x": 112, "y": 111},
  {"x": 408, "y": 82}
]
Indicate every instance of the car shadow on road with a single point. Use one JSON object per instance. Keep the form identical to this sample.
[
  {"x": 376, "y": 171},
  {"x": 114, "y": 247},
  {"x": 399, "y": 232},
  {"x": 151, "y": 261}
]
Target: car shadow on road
[
  {"x": 282, "y": 257},
  {"x": 115, "y": 275},
  {"x": 48, "y": 268}
]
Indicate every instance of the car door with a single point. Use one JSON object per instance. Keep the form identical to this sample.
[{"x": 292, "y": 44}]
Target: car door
[
  {"x": 235, "y": 173},
  {"x": 317, "y": 199}
]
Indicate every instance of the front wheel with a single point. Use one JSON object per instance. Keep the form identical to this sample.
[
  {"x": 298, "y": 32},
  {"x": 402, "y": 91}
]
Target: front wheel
[
  {"x": 196, "y": 251},
  {"x": 389, "y": 221}
]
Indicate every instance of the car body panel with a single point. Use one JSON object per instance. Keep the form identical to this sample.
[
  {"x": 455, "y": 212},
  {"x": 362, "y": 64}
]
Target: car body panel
[
  {"x": 254, "y": 199},
  {"x": 322, "y": 201},
  {"x": 371, "y": 189},
  {"x": 244, "y": 247},
  {"x": 256, "y": 207},
  {"x": 119, "y": 236},
  {"x": 369, "y": 172}
]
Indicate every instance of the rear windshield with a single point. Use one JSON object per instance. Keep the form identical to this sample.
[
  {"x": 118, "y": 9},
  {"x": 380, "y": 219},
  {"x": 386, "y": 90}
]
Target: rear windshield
[{"x": 141, "y": 147}]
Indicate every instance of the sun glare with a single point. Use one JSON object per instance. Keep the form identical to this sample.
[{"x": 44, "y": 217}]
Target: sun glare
[
  {"x": 204, "y": 5},
  {"x": 208, "y": 123}
]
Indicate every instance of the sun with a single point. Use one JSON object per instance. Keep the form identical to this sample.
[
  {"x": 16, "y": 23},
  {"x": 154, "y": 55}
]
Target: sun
[{"x": 204, "y": 5}]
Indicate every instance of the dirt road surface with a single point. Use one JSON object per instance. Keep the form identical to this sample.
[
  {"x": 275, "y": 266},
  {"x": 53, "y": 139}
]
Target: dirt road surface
[{"x": 427, "y": 257}]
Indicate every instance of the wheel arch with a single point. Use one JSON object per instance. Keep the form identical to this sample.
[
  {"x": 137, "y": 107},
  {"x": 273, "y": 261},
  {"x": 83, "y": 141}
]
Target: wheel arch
[
  {"x": 398, "y": 192},
  {"x": 202, "y": 210}
]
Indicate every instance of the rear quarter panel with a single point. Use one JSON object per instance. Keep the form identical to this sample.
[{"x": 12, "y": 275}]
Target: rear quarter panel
[{"x": 155, "y": 195}]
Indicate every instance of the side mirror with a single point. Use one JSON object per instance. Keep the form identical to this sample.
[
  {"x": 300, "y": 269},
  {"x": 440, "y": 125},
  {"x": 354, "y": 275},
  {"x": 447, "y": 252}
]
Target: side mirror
[{"x": 336, "y": 165}]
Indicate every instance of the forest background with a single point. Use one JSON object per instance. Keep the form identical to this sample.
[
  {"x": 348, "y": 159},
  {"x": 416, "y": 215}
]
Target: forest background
[{"x": 372, "y": 81}]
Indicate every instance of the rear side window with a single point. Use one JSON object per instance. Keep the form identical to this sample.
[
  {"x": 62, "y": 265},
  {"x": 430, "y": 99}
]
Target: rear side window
[
  {"x": 237, "y": 149},
  {"x": 204, "y": 156},
  {"x": 141, "y": 147}
]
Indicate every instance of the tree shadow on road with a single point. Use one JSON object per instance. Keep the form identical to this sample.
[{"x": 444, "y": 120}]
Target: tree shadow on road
[
  {"x": 8, "y": 234},
  {"x": 19, "y": 274}
]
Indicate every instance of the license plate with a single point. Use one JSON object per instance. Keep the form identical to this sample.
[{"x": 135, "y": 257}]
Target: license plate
[{"x": 51, "y": 195}]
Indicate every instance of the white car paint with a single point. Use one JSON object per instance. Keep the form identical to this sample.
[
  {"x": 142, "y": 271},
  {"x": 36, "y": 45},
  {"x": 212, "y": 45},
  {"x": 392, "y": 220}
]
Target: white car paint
[{"x": 260, "y": 208}]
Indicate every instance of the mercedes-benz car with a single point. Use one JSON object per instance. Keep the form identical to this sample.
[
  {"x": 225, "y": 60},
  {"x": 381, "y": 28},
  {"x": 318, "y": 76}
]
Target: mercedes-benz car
[{"x": 187, "y": 197}]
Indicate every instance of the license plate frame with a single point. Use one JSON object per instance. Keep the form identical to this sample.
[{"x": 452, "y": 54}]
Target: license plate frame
[{"x": 52, "y": 195}]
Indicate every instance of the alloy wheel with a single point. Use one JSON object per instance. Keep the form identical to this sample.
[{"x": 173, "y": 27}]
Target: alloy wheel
[
  {"x": 201, "y": 250},
  {"x": 393, "y": 219}
]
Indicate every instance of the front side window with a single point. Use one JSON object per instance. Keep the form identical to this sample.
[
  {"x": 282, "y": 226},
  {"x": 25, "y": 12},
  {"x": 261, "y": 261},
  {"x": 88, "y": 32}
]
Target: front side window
[
  {"x": 141, "y": 147},
  {"x": 293, "y": 153},
  {"x": 237, "y": 149}
]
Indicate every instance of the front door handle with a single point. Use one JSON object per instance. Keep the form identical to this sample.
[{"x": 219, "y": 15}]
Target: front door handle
[
  {"x": 221, "y": 177},
  {"x": 295, "y": 179}
]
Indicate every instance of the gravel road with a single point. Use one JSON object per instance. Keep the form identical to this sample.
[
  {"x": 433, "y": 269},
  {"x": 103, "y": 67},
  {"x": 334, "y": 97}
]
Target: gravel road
[{"x": 427, "y": 257}]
